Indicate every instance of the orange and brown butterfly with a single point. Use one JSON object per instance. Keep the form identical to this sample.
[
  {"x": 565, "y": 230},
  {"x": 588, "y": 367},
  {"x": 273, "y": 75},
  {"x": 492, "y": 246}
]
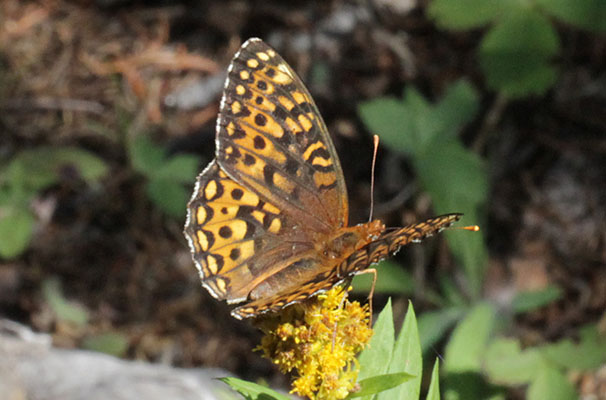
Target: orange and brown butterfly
[{"x": 268, "y": 220}]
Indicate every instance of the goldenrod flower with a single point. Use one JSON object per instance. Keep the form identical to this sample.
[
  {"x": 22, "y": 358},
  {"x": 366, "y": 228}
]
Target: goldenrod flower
[{"x": 319, "y": 339}]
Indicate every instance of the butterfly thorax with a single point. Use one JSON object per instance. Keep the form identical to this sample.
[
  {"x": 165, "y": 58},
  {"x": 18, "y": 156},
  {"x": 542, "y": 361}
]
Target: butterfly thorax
[{"x": 346, "y": 241}]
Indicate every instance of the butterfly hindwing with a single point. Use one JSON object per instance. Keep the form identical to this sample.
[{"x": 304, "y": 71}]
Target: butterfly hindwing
[{"x": 235, "y": 236}]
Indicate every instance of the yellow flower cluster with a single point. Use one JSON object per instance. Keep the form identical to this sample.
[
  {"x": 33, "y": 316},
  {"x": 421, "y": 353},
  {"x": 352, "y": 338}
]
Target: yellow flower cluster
[{"x": 319, "y": 339}]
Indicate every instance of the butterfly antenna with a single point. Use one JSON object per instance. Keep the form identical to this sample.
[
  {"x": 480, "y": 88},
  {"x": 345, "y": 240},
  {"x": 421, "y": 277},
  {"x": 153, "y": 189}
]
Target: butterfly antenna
[
  {"x": 472, "y": 228},
  {"x": 372, "y": 175}
]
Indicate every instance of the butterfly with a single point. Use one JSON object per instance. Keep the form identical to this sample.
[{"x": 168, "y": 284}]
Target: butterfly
[{"x": 267, "y": 223}]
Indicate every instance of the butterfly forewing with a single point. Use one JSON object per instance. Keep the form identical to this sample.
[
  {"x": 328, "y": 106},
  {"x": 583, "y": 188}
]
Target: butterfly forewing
[{"x": 272, "y": 139}]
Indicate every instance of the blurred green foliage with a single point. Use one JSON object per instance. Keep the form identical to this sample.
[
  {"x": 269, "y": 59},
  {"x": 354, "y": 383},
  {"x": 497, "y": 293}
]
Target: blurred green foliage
[
  {"x": 63, "y": 309},
  {"x": 166, "y": 177},
  {"x": 392, "y": 279},
  {"x": 455, "y": 177},
  {"x": 477, "y": 348},
  {"x": 26, "y": 175},
  {"x": 113, "y": 343},
  {"x": 478, "y": 362},
  {"x": 517, "y": 53}
]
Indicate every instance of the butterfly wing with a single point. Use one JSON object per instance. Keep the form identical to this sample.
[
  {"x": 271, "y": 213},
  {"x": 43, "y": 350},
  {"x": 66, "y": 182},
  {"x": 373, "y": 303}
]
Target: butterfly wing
[
  {"x": 272, "y": 139},
  {"x": 237, "y": 239},
  {"x": 275, "y": 189},
  {"x": 326, "y": 276}
]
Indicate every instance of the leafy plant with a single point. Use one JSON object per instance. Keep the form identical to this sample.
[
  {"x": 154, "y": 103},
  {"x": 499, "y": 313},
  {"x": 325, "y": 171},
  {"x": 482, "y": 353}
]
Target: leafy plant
[
  {"x": 477, "y": 355},
  {"x": 390, "y": 368},
  {"x": 24, "y": 177},
  {"x": 166, "y": 176},
  {"x": 517, "y": 52},
  {"x": 454, "y": 177}
]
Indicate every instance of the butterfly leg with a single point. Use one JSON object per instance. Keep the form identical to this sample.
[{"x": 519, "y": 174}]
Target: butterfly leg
[
  {"x": 341, "y": 305},
  {"x": 372, "y": 271}
]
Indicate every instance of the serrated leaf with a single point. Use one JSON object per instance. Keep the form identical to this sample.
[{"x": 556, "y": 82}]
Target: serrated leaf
[
  {"x": 145, "y": 156},
  {"x": 253, "y": 391},
  {"x": 586, "y": 14},
  {"x": 391, "y": 278},
  {"x": 434, "y": 385},
  {"x": 112, "y": 343},
  {"x": 465, "y": 14},
  {"x": 434, "y": 324},
  {"x": 465, "y": 350},
  {"x": 406, "y": 358},
  {"x": 16, "y": 229},
  {"x": 506, "y": 363},
  {"x": 170, "y": 196},
  {"x": 380, "y": 383},
  {"x": 515, "y": 55},
  {"x": 551, "y": 384},
  {"x": 375, "y": 358},
  {"x": 528, "y": 301}
]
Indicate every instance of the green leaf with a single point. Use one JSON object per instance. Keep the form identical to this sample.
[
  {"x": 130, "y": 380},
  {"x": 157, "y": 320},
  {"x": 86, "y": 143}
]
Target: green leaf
[
  {"x": 64, "y": 310},
  {"x": 457, "y": 181},
  {"x": 375, "y": 359},
  {"x": 40, "y": 167},
  {"x": 170, "y": 196},
  {"x": 586, "y": 14},
  {"x": 528, "y": 301},
  {"x": 89, "y": 166},
  {"x": 551, "y": 384},
  {"x": 253, "y": 391},
  {"x": 425, "y": 126},
  {"x": 182, "y": 168},
  {"x": 515, "y": 54},
  {"x": 112, "y": 343},
  {"x": 391, "y": 278},
  {"x": 588, "y": 354},
  {"x": 465, "y": 14},
  {"x": 406, "y": 357},
  {"x": 506, "y": 363},
  {"x": 380, "y": 383},
  {"x": 458, "y": 106},
  {"x": 16, "y": 229},
  {"x": 455, "y": 178},
  {"x": 450, "y": 291},
  {"x": 388, "y": 118},
  {"x": 145, "y": 156},
  {"x": 434, "y": 386},
  {"x": 434, "y": 324},
  {"x": 451, "y": 171},
  {"x": 470, "y": 251},
  {"x": 465, "y": 350}
]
